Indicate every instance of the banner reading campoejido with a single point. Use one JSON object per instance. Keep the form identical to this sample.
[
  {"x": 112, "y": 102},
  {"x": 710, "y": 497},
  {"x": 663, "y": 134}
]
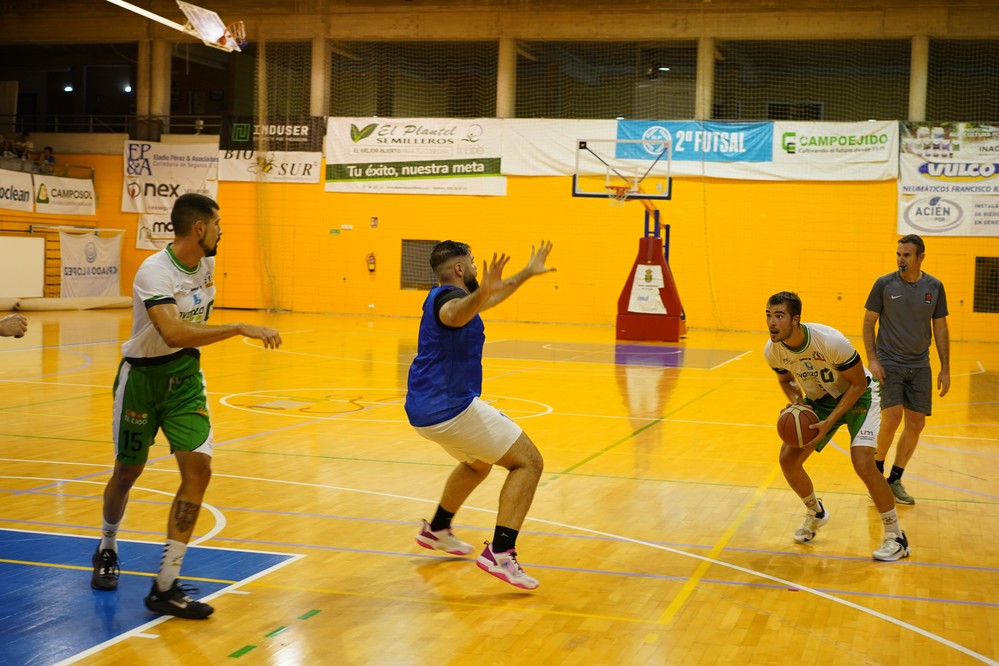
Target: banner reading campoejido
[
  {"x": 949, "y": 179},
  {"x": 90, "y": 265},
  {"x": 64, "y": 196},
  {"x": 414, "y": 156},
  {"x": 157, "y": 173}
]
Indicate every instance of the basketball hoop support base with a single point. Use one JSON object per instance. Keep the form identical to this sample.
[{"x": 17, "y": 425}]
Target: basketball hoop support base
[{"x": 666, "y": 327}]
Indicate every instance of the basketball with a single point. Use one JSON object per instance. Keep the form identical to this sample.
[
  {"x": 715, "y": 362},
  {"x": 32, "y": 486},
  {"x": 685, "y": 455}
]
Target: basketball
[{"x": 793, "y": 425}]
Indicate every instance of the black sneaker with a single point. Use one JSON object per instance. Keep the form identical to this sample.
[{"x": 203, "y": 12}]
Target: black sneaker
[
  {"x": 176, "y": 602},
  {"x": 105, "y": 576}
]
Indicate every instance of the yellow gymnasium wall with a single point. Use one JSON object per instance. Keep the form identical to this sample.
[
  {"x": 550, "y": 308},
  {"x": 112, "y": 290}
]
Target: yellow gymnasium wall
[{"x": 733, "y": 243}]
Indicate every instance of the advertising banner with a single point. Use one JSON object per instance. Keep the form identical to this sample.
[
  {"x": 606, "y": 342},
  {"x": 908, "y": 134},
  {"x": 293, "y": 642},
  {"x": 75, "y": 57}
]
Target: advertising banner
[
  {"x": 90, "y": 265},
  {"x": 291, "y": 134},
  {"x": 16, "y": 191},
  {"x": 270, "y": 167},
  {"x": 837, "y": 151},
  {"x": 695, "y": 141},
  {"x": 64, "y": 196},
  {"x": 415, "y": 156},
  {"x": 157, "y": 173},
  {"x": 949, "y": 179},
  {"x": 153, "y": 232}
]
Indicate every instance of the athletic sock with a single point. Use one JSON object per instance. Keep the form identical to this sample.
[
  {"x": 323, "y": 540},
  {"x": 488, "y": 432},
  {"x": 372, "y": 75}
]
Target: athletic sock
[
  {"x": 890, "y": 521},
  {"x": 442, "y": 520},
  {"x": 880, "y": 464},
  {"x": 109, "y": 535},
  {"x": 504, "y": 539},
  {"x": 813, "y": 506},
  {"x": 896, "y": 473},
  {"x": 173, "y": 557}
]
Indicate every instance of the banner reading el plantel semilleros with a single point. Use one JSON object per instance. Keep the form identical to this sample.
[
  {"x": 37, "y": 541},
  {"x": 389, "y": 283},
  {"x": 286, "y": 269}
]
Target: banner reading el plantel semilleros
[
  {"x": 415, "y": 156},
  {"x": 949, "y": 179}
]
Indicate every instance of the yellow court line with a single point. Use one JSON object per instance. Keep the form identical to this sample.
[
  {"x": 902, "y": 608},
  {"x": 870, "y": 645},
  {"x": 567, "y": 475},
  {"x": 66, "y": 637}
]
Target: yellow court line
[
  {"x": 444, "y": 602},
  {"x": 688, "y": 588},
  {"x": 362, "y": 595},
  {"x": 76, "y": 567}
]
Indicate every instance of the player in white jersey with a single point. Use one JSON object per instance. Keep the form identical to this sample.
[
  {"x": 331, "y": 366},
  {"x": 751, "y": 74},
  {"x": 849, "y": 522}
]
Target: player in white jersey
[
  {"x": 160, "y": 386},
  {"x": 817, "y": 366}
]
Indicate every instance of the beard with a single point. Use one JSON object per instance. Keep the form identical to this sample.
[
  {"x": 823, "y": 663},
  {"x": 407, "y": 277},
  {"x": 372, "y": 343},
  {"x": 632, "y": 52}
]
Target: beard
[
  {"x": 210, "y": 252},
  {"x": 471, "y": 283}
]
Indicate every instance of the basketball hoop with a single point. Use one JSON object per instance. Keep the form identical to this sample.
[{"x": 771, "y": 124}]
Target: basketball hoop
[
  {"x": 618, "y": 194},
  {"x": 236, "y": 32}
]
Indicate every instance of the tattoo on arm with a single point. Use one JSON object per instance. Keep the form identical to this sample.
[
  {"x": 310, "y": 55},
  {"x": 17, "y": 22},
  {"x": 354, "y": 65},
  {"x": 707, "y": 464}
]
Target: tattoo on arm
[{"x": 185, "y": 515}]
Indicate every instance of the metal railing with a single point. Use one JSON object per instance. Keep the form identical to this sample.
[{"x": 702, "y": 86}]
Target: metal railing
[
  {"x": 108, "y": 124},
  {"x": 57, "y": 169}
]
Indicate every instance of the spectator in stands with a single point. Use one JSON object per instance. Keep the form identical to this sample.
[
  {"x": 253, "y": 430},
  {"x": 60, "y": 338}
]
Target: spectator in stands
[
  {"x": 24, "y": 147},
  {"x": 46, "y": 160},
  {"x": 7, "y": 148}
]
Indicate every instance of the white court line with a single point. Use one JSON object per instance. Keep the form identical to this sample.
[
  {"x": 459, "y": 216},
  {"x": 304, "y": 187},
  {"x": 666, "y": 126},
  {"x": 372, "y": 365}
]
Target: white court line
[
  {"x": 752, "y": 572},
  {"x": 348, "y": 416},
  {"x": 220, "y": 521},
  {"x": 681, "y": 553}
]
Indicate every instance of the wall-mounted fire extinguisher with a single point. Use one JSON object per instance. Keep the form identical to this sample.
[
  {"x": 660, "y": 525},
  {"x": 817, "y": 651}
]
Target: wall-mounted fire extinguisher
[{"x": 371, "y": 262}]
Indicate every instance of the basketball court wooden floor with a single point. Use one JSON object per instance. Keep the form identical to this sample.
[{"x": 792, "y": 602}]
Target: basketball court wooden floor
[{"x": 661, "y": 532}]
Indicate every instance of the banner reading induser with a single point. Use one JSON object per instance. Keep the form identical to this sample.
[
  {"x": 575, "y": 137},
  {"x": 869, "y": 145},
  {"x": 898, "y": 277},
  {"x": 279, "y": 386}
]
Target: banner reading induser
[
  {"x": 90, "y": 265},
  {"x": 284, "y": 150},
  {"x": 157, "y": 173},
  {"x": 415, "y": 156},
  {"x": 949, "y": 179}
]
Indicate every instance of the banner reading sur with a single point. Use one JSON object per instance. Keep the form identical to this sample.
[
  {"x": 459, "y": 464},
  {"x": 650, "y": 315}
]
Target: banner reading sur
[
  {"x": 64, "y": 196},
  {"x": 90, "y": 265},
  {"x": 948, "y": 181},
  {"x": 415, "y": 156},
  {"x": 157, "y": 173}
]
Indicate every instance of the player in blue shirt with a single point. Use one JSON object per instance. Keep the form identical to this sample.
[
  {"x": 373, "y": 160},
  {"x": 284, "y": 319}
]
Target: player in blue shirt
[{"x": 443, "y": 404}]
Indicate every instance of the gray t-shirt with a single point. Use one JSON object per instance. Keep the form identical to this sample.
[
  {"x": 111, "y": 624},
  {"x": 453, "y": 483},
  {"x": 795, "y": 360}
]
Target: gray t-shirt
[{"x": 905, "y": 311}]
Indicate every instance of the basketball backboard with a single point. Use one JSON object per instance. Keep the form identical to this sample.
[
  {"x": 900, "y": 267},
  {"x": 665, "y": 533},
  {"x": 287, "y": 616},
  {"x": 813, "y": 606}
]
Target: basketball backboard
[
  {"x": 208, "y": 27},
  {"x": 630, "y": 168}
]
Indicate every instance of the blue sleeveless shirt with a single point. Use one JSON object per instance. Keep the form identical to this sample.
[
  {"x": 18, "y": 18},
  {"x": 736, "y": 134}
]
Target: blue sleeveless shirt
[{"x": 446, "y": 374}]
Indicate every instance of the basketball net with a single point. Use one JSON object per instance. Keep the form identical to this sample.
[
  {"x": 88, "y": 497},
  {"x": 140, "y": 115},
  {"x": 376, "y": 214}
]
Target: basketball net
[
  {"x": 618, "y": 194},
  {"x": 235, "y": 31}
]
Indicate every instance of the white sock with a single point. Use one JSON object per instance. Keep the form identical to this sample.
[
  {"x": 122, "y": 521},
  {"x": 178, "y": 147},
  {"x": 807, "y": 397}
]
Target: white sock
[
  {"x": 811, "y": 504},
  {"x": 173, "y": 557},
  {"x": 109, "y": 535},
  {"x": 890, "y": 520}
]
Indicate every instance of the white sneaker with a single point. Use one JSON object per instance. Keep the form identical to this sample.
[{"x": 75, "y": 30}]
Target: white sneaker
[
  {"x": 442, "y": 540},
  {"x": 894, "y": 547},
  {"x": 505, "y": 567},
  {"x": 811, "y": 525}
]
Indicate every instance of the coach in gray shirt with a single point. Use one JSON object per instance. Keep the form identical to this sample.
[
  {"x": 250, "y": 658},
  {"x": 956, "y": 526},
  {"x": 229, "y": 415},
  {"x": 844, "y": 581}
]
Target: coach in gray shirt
[{"x": 909, "y": 303}]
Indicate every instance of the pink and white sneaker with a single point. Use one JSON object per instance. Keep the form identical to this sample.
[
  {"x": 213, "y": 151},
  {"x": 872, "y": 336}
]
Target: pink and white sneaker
[
  {"x": 444, "y": 540},
  {"x": 505, "y": 567}
]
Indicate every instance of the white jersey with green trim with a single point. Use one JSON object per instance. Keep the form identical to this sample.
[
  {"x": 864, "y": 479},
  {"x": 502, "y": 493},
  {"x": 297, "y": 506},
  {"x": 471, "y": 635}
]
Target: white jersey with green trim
[
  {"x": 819, "y": 361},
  {"x": 162, "y": 279}
]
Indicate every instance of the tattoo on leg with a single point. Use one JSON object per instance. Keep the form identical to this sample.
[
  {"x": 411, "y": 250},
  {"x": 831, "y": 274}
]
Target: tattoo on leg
[{"x": 185, "y": 515}]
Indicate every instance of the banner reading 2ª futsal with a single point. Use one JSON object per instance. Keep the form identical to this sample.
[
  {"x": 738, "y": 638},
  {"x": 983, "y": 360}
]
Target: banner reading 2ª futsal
[{"x": 414, "y": 156}]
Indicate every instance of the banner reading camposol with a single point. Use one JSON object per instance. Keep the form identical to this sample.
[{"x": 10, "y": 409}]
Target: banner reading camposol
[
  {"x": 157, "y": 173},
  {"x": 949, "y": 179},
  {"x": 90, "y": 265},
  {"x": 415, "y": 156},
  {"x": 64, "y": 196}
]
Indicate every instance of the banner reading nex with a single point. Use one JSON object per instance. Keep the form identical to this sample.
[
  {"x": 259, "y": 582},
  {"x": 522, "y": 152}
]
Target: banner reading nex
[{"x": 415, "y": 156}]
